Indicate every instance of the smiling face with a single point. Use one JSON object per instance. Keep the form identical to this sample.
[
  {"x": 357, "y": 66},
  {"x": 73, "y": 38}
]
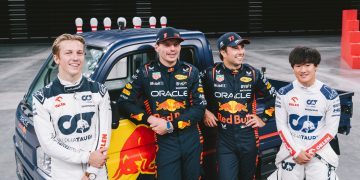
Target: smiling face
[
  {"x": 234, "y": 56},
  {"x": 305, "y": 73},
  {"x": 70, "y": 59},
  {"x": 168, "y": 51}
]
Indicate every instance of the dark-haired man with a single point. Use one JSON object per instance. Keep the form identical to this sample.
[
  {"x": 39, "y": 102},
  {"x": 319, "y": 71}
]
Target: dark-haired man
[
  {"x": 307, "y": 117},
  {"x": 231, "y": 88},
  {"x": 174, "y": 104}
]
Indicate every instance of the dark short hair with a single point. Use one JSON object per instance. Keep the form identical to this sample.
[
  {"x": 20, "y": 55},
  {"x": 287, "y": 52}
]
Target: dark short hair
[{"x": 302, "y": 55}]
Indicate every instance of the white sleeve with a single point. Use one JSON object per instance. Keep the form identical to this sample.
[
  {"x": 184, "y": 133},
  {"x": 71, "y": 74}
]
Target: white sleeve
[
  {"x": 332, "y": 119},
  {"x": 104, "y": 125},
  {"x": 48, "y": 139},
  {"x": 282, "y": 116}
]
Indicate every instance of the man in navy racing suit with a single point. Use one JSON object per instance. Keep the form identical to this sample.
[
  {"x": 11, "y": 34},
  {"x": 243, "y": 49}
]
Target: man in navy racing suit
[
  {"x": 174, "y": 104},
  {"x": 307, "y": 117},
  {"x": 72, "y": 116},
  {"x": 231, "y": 88}
]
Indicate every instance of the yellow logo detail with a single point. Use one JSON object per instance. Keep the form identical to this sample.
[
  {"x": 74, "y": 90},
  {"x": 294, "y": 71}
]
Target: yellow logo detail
[
  {"x": 183, "y": 124},
  {"x": 128, "y": 86},
  {"x": 245, "y": 79},
  {"x": 137, "y": 116},
  {"x": 270, "y": 111},
  {"x": 125, "y": 91},
  {"x": 170, "y": 105},
  {"x": 180, "y": 77},
  {"x": 201, "y": 90}
]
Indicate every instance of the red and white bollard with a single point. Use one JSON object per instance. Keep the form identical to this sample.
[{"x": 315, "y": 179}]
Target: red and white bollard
[
  {"x": 121, "y": 21},
  {"x": 152, "y": 22},
  {"x": 107, "y": 23},
  {"x": 93, "y": 24},
  {"x": 136, "y": 22},
  {"x": 79, "y": 24},
  {"x": 163, "y": 21}
]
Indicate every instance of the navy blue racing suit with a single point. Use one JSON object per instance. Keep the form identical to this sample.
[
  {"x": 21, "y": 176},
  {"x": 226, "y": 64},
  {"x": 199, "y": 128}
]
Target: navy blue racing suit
[
  {"x": 176, "y": 95},
  {"x": 231, "y": 96}
]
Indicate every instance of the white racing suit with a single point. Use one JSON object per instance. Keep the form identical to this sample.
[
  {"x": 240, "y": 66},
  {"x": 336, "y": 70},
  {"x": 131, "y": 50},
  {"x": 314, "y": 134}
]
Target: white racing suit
[
  {"x": 70, "y": 122},
  {"x": 307, "y": 118}
]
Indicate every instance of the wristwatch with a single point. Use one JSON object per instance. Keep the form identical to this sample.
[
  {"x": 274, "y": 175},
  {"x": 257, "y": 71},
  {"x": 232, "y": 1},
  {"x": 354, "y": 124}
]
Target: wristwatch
[
  {"x": 169, "y": 128},
  {"x": 91, "y": 176}
]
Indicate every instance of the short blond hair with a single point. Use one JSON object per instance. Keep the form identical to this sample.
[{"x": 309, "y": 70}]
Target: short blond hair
[{"x": 63, "y": 37}]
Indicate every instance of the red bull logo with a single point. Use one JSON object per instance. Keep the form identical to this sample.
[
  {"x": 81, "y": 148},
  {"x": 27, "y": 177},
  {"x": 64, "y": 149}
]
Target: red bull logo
[
  {"x": 170, "y": 105},
  {"x": 233, "y": 107},
  {"x": 183, "y": 124},
  {"x": 270, "y": 111},
  {"x": 138, "y": 153}
]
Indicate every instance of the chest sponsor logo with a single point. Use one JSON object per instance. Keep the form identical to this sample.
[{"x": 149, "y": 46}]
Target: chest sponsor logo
[
  {"x": 294, "y": 102},
  {"x": 163, "y": 93},
  {"x": 87, "y": 98},
  {"x": 245, "y": 79},
  {"x": 220, "y": 85},
  {"x": 58, "y": 102},
  {"x": 219, "y": 77},
  {"x": 156, "y": 75},
  {"x": 226, "y": 95},
  {"x": 180, "y": 77},
  {"x": 200, "y": 90},
  {"x": 245, "y": 86},
  {"x": 80, "y": 123},
  {"x": 170, "y": 105},
  {"x": 311, "y": 102},
  {"x": 184, "y": 83},
  {"x": 158, "y": 83},
  {"x": 233, "y": 107},
  {"x": 128, "y": 86},
  {"x": 306, "y": 124}
]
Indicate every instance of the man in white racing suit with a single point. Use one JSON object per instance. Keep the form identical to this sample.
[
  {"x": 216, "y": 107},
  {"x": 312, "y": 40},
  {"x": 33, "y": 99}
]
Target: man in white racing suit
[
  {"x": 72, "y": 116},
  {"x": 307, "y": 116}
]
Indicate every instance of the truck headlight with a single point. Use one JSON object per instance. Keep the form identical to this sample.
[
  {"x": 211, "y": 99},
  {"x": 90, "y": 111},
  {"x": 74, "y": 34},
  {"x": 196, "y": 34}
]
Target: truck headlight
[{"x": 43, "y": 161}]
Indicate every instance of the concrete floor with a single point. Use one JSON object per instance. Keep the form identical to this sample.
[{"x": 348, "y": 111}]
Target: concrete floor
[{"x": 19, "y": 64}]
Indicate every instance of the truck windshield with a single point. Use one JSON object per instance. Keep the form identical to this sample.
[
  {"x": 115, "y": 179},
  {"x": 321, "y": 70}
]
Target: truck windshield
[{"x": 49, "y": 73}]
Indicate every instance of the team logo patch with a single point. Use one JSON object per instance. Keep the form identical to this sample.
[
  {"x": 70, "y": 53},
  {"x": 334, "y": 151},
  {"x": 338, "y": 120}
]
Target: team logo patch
[
  {"x": 156, "y": 75},
  {"x": 219, "y": 77},
  {"x": 233, "y": 107},
  {"x": 245, "y": 79},
  {"x": 183, "y": 124},
  {"x": 288, "y": 166},
  {"x": 128, "y": 86},
  {"x": 125, "y": 91},
  {"x": 248, "y": 73},
  {"x": 306, "y": 124},
  {"x": 170, "y": 105},
  {"x": 180, "y": 77}
]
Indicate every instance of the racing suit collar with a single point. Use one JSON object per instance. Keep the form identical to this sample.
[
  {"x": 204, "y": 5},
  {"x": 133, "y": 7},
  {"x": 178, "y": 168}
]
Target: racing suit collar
[
  {"x": 308, "y": 88},
  {"x": 68, "y": 83},
  {"x": 71, "y": 87},
  {"x": 233, "y": 72},
  {"x": 169, "y": 69}
]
